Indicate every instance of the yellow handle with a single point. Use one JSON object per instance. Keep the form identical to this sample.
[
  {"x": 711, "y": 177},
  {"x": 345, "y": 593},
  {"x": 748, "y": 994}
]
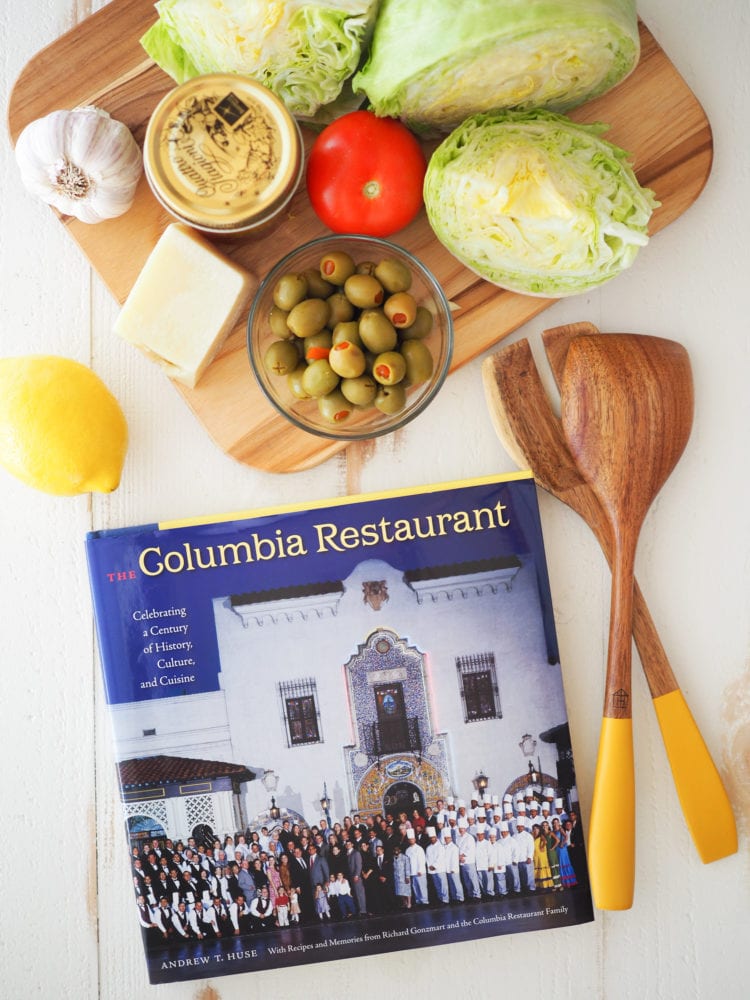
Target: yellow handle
[
  {"x": 702, "y": 795},
  {"x": 611, "y": 848}
]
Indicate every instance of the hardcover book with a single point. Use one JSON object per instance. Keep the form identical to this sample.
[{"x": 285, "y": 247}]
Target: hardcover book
[{"x": 340, "y": 728}]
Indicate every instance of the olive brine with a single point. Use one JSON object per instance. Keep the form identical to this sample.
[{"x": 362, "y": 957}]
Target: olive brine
[{"x": 349, "y": 335}]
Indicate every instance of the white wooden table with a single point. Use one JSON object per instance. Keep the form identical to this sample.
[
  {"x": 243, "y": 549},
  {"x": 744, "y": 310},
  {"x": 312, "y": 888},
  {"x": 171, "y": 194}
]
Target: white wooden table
[{"x": 67, "y": 921}]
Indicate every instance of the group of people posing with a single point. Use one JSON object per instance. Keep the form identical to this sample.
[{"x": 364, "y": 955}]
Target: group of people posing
[{"x": 294, "y": 874}]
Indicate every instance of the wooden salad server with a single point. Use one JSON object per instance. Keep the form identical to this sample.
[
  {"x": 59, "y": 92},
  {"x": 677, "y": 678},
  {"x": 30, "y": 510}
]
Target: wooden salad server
[
  {"x": 627, "y": 411},
  {"x": 531, "y": 433}
]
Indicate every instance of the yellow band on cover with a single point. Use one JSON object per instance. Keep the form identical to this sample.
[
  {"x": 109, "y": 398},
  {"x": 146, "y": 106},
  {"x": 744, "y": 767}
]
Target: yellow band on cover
[
  {"x": 611, "y": 849},
  {"x": 702, "y": 795}
]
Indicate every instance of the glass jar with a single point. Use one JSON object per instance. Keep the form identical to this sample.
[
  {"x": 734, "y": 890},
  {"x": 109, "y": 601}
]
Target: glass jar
[{"x": 223, "y": 154}]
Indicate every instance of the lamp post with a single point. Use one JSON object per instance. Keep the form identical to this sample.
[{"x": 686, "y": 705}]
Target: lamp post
[
  {"x": 270, "y": 781},
  {"x": 480, "y": 782},
  {"x": 325, "y": 805},
  {"x": 528, "y": 745}
]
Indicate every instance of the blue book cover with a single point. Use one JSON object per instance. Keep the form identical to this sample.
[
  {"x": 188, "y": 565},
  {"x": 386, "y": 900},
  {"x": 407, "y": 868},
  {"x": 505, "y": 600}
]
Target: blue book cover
[{"x": 340, "y": 728}]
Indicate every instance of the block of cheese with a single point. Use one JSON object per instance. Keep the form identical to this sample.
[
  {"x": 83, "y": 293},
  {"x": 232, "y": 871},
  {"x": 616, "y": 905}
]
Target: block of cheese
[{"x": 184, "y": 303}]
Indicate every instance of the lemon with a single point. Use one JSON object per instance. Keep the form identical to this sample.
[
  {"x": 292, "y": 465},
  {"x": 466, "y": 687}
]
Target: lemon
[{"x": 61, "y": 429}]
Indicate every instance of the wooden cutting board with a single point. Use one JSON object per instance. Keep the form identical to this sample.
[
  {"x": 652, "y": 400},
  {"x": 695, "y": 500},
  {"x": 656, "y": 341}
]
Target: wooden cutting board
[{"x": 653, "y": 114}]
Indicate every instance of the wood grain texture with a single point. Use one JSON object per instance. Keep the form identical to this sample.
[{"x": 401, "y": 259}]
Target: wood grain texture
[
  {"x": 531, "y": 433},
  {"x": 627, "y": 412},
  {"x": 652, "y": 114}
]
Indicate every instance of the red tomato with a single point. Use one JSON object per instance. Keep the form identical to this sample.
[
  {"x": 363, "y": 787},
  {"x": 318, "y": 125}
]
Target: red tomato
[{"x": 365, "y": 175}]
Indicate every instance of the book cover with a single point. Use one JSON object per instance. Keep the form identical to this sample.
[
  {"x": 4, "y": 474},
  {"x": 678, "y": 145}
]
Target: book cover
[{"x": 340, "y": 728}]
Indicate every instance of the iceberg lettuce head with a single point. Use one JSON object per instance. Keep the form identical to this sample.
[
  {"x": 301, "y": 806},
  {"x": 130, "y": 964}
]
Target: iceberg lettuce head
[
  {"x": 434, "y": 62},
  {"x": 535, "y": 203},
  {"x": 303, "y": 51}
]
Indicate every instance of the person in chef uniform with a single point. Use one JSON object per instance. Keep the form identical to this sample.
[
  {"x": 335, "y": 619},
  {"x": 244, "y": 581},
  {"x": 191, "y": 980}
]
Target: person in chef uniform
[
  {"x": 435, "y": 860},
  {"x": 452, "y": 867},
  {"x": 467, "y": 850},
  {"x": 507, "y": 856},
  {"x": 482, "y": 861},
  {"x": 418, "y": 867},
  {"x": 525, "y": 843}
]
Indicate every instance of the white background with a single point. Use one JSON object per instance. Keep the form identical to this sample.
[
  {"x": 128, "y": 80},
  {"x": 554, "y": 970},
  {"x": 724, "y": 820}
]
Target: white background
[{"x": 67, "y": 921}]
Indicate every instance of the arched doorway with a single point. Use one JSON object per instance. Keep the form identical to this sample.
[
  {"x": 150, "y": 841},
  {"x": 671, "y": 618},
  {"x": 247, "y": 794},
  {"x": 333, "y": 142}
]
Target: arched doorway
[{"x": 403, "y": 796}]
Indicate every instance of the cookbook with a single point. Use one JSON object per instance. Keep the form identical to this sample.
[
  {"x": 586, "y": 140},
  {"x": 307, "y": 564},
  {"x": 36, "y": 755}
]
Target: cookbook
[{"x": 340, "y": 728}]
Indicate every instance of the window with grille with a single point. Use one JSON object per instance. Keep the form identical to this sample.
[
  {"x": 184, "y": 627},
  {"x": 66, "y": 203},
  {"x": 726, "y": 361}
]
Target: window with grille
[
  {"x": 477, "y": 681},
  {"x": 299, "y": 704}
]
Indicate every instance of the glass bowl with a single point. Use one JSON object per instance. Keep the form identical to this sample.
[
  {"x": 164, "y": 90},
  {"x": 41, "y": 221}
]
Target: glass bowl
[{"x": 363, "y": 422}]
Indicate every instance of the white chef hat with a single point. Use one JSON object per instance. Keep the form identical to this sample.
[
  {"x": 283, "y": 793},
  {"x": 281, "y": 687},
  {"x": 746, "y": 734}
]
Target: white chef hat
[
  {"x": 462, "y": 824},
  {"x": 449, "y": 800},
  {"x": 495, "y": 800},
  {"x": 446, "y": 833},
  {"x": 411, "y": 833},
  {"x": 481, "y": 812},
  {"x": 545, "y": 806},
  {"x": 507, "y": 797},
  {"x": 549, "y": 792},
  {"x": 461, "y": 804},
  {"x": 521, "y": 820},
  {"x": 558, "y": 803},
  {"x": 503, "y": 826}
]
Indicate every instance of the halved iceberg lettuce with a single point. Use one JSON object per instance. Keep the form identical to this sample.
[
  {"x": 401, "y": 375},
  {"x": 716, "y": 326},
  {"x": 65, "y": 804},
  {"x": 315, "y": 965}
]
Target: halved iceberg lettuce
[
  {"x": 434, "y": 62},
  {"x": 535, "y": 203},
  {"x": 303, "y": 51}
]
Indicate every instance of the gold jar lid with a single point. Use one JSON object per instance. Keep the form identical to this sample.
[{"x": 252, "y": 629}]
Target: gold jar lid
[{"x": 222, "y": 153}]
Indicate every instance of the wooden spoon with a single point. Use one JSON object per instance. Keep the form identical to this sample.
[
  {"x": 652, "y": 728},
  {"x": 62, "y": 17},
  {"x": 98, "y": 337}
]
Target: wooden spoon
[
  {"x": 627, "y": 411},
  {"x": 531, "y": 433}
]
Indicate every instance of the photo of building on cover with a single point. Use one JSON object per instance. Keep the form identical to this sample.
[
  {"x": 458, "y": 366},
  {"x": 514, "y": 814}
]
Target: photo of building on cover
[{"x": 385, "y": 763}]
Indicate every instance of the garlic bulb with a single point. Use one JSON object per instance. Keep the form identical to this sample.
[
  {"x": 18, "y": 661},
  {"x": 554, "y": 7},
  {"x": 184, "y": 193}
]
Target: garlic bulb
[{"x": 83, "y": 162}]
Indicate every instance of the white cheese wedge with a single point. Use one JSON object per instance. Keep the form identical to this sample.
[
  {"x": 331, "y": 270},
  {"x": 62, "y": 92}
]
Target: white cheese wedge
[{"x": 184, "y": 303}]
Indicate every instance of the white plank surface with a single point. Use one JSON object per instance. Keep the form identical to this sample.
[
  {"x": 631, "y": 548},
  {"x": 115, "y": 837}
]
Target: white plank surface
[{"x": 67, "y": 928}]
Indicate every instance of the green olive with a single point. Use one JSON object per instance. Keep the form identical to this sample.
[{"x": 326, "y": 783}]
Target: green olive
[
  {"x": 317, "y": 286},
  {"x": 317, "y": 345},
  {"x": 389, "y": 368},
  {"x": 277, "y": 323},
  {"x": 308, "y": 317},
  {"x": 361, "y": 391},
  {"x": 401, "y": 309},
  {"x": 419, "y": 363},
  {"x": 364, "y": 291},
  {"x": 319, "y": 379},
  {"x": 366, "y": 267},
  {"x": 289, "y": 290},
  {"x": 294, "y": 382},
  {"x": 393, "y": 275},
  {"x": 336, "y": 267},
  {"x": 390, "y": 399},
  {"x": 334, "y": 407},
  {"x": 377, "y": 332},
  {"x": 347, "y": 331},
  {"x": 341, "y": 308},
  {"x": 347, "y": 359},
  {"x": 421, "y": 326},
  {"x": 281, "y": 357}
]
